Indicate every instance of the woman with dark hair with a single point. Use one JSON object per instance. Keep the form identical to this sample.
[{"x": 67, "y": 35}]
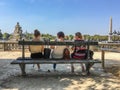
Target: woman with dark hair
[
  {"x": 58, "y": 50},
  {"x": 36, "y": 50}
]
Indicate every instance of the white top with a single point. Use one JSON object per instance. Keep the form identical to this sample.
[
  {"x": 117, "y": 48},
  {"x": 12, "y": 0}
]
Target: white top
[{"x": 58, "y": 51}]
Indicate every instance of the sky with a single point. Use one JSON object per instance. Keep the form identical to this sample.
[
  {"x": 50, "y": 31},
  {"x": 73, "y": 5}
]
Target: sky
[{"x": 51, "y": 16}]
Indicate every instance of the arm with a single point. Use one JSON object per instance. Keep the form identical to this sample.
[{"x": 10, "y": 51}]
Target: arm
[
  {"x": 42, "y": 48},
  {"x": 52, "y": 47},
  {"x": 29, "y": 48}
]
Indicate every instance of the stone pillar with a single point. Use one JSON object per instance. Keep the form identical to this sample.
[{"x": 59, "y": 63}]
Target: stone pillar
[{"x": 110, "y": 30}]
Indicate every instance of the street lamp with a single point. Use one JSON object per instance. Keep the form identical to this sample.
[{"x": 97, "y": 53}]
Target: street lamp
[
  {"x": 114, "y": 33},
  {"x": 118, "y": 33}
]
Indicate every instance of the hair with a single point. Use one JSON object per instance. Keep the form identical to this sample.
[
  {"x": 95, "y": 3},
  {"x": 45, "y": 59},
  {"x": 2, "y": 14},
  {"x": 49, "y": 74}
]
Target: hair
[
  {"x": 66, "y": 53},
  {"x": 36, "y": 33},
  {"x": 78, "y": 34},
  {"x": 60, "y": 34}
]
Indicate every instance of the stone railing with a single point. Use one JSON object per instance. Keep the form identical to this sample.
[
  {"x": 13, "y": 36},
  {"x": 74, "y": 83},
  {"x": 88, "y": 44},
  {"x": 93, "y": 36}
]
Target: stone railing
[
  {"x": 105, "y": 45},
  {"x": 9, "y": 45},
  {"x": 13, "y": 46},
  {"x": 109, "y": 45}
]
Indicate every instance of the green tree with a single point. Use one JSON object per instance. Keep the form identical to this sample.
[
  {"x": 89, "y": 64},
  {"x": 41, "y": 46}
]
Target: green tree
[
  {"x": 48, "y": 36},
  {"x": 1, "y": 35},
  {"x": 28, "y": 36},
  {"x": 86, "y": 37},
  {"x": 96, "y": 37},
  {"x": 6, "y": 35},
  {"x": 71, "y": 37}
]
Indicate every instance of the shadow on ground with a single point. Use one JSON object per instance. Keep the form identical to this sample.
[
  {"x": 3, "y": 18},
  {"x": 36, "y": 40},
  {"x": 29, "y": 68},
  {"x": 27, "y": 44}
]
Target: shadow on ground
[{"x": 12, "y": 80}]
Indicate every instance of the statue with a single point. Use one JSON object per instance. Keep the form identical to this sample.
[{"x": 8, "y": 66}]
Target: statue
[{"x": 17, "y": 35}]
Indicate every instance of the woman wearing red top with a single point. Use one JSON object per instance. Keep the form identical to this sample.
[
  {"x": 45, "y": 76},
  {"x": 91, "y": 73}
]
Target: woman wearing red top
[
  {"x": 80, "y": 52},
  {"x": 78, "y": 37}
]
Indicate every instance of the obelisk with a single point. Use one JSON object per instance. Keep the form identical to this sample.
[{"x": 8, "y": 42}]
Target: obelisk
[{"x": 110, "y": 30}]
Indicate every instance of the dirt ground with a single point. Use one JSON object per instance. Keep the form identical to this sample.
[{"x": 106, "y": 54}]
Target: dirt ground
[{"x": 62, "y": 79}]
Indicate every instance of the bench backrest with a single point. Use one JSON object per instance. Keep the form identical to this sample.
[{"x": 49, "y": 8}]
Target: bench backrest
[
  {"x": 77, "y": 43},
  {"x": 70, "y": 43}
]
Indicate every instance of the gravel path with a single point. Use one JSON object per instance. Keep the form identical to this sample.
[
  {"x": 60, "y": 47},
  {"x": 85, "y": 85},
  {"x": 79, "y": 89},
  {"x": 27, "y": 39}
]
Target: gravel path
[{"x": 10, "y": 78}]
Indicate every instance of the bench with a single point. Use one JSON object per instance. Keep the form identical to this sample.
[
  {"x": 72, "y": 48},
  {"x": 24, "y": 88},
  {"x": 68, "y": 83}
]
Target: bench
[
  {"x": 22, "y": 61},
  {"x": 103, "y": 50}
]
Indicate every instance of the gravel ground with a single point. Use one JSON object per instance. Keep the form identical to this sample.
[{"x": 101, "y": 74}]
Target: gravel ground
[{"x": 62, "y": 79}]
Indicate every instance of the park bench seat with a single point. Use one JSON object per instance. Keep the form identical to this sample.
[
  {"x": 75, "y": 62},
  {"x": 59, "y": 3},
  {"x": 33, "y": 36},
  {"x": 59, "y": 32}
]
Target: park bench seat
[{"x": 51, "y": 61}]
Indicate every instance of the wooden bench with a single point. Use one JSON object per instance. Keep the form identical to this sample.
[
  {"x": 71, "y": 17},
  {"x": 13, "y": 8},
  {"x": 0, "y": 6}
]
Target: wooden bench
[
  {"x": 22, "y": 61},
  {"x": 103, "y": 50}
]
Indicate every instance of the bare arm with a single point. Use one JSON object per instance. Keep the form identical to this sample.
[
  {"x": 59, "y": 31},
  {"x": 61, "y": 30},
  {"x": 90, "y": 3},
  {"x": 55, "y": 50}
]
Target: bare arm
[
  {"x": 42, "y": 48},
  {"x": 29, "y": 48}
]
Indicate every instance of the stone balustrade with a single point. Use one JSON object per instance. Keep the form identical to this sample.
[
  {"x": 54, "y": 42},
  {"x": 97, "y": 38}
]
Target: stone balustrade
[
  {"x": 13, "y": 46},
  {"x": 9, "y": 46}
]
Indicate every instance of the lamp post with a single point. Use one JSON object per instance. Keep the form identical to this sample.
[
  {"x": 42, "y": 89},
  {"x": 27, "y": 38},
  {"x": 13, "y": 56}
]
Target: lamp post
[{"x": 116, "y": 33}]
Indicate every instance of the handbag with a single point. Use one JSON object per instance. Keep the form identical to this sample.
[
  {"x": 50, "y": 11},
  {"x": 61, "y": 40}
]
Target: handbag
[
  {"x": 66, "y": 54},
  {"x": 47, "y": 52}
]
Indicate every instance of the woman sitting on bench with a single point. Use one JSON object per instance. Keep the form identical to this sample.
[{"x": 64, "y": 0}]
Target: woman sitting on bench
[
  {"x": 36, "y": 50},
  {"x": 58, "y": 50},
  {"x": 80, "y": 52}
]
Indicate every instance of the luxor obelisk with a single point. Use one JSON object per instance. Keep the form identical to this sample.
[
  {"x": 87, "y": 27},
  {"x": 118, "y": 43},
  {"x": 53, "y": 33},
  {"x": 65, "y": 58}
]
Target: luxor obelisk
[{"x": 110, "y": 30}]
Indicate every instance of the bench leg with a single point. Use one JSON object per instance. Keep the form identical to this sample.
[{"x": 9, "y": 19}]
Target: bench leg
[
  {"x": 22, "y": 67},
  {"x": 103, "y": 58},
  {"x": 88, "y": 66},
  {"x": 72, "y": 68}
]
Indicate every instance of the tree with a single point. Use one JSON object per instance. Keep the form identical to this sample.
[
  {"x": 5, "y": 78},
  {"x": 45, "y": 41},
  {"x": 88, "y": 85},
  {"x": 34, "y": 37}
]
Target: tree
[
  {"x": 86, "y": 37},
  {"x": 6, "y": 36},
  {"x": 48, "y": 36},
  {"x": 66, "y": 37},
  {"x": 96, "y": 38},
  {"x": 71, "y": 37},
  {"x": 1, "y": 35}
]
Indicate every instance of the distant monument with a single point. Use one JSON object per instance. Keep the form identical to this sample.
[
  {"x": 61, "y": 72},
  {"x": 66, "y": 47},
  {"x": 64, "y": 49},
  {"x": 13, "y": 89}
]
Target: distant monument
[
  {"x": 110, "y": 30},
  {"x": 17, "y": 35}
]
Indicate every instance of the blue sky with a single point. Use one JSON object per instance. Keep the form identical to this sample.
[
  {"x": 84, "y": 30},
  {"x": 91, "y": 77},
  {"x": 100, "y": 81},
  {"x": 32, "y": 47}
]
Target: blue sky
[{"x": 50, "y": 16}]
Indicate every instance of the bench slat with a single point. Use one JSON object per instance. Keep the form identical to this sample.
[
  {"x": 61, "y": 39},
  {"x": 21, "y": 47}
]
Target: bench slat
[{"x": 54, "y": 61}]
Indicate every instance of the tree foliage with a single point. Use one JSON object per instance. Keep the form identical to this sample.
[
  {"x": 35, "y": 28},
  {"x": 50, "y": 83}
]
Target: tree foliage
[
  {"x": 6, "y": 36},
  {"x": 1, "y": 35},
  {"x": 30, "y": 36}
]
